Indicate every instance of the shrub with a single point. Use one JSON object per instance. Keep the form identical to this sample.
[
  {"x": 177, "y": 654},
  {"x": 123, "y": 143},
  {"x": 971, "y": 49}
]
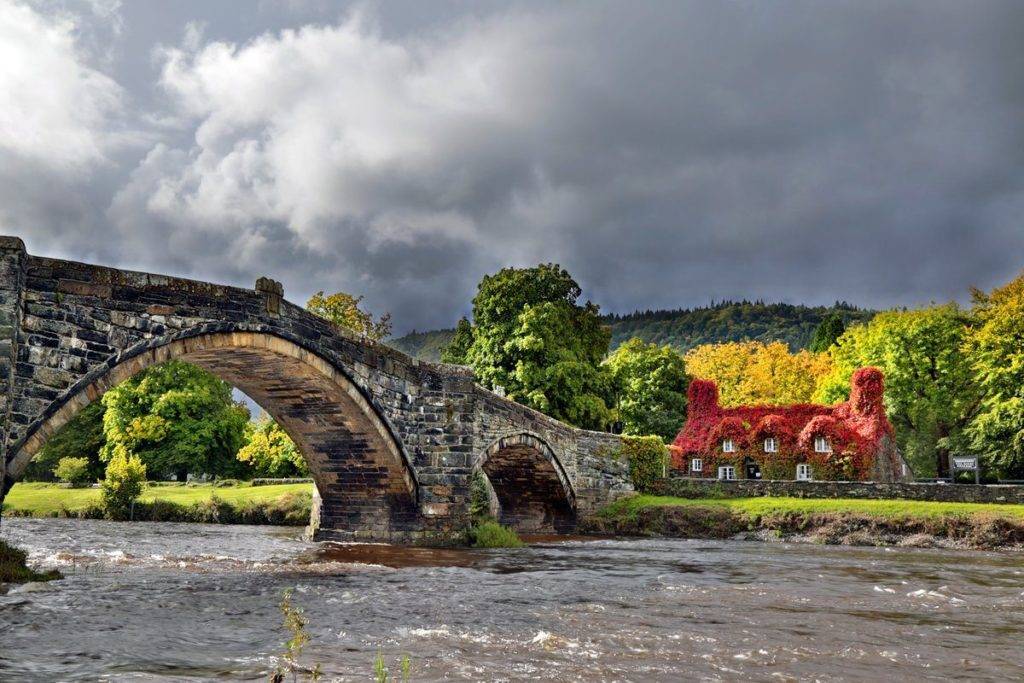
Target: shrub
[
  {"x": 490, "y": 534},
  {"x": 479, "y": 496},
  {"x": 647, "y": 458},
  {"x": 74, "y": 471},
  {"x": 125, "y": 480}
]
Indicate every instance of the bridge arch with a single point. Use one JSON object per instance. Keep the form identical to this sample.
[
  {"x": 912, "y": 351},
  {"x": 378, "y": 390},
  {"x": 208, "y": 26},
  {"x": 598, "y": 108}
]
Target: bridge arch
[
  {"x": 534, "y": 491},
  {"x": 360, "y": 467}
]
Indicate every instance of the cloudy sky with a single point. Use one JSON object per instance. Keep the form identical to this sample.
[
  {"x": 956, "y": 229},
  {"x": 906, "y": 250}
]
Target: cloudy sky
[{"x": 666, "y": 153}]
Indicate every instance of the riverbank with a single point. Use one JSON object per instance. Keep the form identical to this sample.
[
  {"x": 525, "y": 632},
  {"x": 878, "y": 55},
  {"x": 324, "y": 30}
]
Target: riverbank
[
  {"x": 278, "y": 504},
  {"x": 828, "y": 521}
]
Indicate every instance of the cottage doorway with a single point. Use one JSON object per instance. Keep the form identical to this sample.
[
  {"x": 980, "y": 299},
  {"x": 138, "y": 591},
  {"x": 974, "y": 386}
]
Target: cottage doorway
[{"x": 751, "y": 469}]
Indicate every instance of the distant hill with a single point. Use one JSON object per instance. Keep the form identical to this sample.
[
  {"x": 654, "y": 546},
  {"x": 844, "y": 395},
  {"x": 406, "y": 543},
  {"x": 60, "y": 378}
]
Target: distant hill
[
  {"x": 424, "y": 345},
  {"x": 685, "y": 328}
]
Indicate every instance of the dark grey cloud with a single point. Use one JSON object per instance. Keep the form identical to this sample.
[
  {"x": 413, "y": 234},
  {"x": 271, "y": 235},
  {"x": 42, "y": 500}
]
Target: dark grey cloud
[{"x": 667, "y": 154}]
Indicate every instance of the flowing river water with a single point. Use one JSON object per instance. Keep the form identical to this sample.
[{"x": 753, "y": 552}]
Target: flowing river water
[{"x": 154, "y": 602}]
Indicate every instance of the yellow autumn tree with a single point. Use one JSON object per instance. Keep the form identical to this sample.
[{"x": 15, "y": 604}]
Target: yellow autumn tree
[{"x": 750, "y": 373}]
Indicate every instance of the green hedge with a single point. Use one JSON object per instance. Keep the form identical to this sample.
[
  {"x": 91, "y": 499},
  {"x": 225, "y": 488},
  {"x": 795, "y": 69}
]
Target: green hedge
[{"x": 647, "y": 457}]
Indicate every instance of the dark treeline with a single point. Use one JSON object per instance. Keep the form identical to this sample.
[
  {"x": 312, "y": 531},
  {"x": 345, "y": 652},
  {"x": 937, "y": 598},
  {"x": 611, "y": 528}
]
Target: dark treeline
[
  {"x": 685, "y": 328},
  {"x": 727, "y": 321}
]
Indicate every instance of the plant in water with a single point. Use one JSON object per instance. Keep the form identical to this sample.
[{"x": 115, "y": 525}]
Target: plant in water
[
  {"x": 490, "y": 534},
  {"x": 14, "y": 570},
  {"x": 381, "y": 671},
  {"x": 295, "y": 623}
]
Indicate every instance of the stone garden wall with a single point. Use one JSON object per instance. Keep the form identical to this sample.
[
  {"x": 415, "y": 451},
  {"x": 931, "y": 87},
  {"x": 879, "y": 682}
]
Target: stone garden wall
[{"x": 955, "y": 493}]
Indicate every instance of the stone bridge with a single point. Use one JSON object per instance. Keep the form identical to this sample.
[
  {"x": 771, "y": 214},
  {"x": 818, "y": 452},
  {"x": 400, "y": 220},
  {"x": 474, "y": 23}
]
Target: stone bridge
[{"x": 391, "y": 441}]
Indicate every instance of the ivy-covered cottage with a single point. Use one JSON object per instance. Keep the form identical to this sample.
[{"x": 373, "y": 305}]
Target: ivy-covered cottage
[{"x": 847, "y": 441}]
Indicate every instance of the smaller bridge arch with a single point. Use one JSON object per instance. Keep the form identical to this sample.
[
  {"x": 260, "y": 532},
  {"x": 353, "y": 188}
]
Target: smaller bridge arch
[{"x": 533, "y": 489}]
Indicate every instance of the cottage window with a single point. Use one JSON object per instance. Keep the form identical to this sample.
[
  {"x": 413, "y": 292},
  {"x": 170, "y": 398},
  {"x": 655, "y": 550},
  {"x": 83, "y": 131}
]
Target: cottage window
[
  {"x": 728, "y": 446},
  {"x": 771, "y": 445},
  {"x": 727, "y": 472},
  {"x": 822, "y": 445},
  {"x": 803, "y": 472},
  {"x": 696, "y": 465}
]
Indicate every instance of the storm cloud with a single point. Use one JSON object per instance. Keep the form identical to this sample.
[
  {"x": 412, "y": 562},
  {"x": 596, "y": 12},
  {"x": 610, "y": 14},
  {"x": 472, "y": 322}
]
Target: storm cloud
[{"x": 667, "y": 154}]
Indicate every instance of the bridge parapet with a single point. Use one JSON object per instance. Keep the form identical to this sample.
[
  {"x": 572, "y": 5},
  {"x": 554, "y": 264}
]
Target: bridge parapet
[{"x": 392, "y": 441}]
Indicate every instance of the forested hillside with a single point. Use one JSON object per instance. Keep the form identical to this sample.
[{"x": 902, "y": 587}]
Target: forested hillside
[
  {"x": 729, "y": 321},
  {"x": 686, "y": 328},
  {"x": 423, "y": 345}
]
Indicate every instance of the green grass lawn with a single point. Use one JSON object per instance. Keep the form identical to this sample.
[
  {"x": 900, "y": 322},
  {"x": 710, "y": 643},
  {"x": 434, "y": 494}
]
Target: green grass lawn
[
  {"x": 43, "y": 499},
  {"x": 755, "y": 507}
]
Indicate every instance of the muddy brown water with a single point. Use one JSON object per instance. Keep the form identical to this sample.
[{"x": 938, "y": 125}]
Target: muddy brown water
[{"x": 179, "y": 602}]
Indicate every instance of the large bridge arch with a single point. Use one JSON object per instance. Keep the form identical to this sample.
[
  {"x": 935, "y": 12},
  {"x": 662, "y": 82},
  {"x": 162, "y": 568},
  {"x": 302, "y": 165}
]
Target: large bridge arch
[
  {"x": 360, "y": 468},
  {"x": 533, "y": 489}
]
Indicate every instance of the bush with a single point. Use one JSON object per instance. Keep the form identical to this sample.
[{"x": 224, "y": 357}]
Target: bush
[
  {"x": 74, "y": 471},
  {"x": 125, "y": 480},
  {"x": 490, "y": 534},
  {"x": 647, "y": 457}
]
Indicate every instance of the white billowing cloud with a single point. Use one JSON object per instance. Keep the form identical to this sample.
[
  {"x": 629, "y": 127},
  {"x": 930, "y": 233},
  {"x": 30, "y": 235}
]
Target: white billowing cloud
[{"x": 55, "y": 108}]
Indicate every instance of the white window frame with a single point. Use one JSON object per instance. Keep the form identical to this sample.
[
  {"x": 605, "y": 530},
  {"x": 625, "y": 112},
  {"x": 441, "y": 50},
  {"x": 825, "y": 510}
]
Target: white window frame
[
  {"x": 728, "y": 446},
  {"x": 803, "y": 472},
  {"x": 822, "y": 444},
  {"x": 697, "y": 465},
  {"x": 771, "y": 445},
  {"x": 727, "y": 473}
]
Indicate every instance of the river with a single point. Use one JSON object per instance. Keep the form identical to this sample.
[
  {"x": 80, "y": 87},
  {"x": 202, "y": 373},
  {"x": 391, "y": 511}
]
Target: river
[{"x": 154, "y": 602}]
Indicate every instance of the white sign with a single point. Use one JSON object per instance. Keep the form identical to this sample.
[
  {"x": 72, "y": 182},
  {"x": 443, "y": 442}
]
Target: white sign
[{"x": 965, "y": 463}]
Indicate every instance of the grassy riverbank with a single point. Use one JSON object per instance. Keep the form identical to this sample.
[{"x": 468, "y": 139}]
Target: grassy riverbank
[
  {"x": 835, "y": 521},
  {"x": 287, "y": 504}
]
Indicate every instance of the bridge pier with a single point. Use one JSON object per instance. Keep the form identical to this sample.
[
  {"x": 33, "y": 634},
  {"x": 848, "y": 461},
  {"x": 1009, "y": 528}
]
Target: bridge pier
[{"x": 13, "y": 258}]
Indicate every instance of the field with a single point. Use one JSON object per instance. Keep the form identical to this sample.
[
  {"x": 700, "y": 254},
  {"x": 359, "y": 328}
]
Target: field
[{"x": 45, "y": 500}]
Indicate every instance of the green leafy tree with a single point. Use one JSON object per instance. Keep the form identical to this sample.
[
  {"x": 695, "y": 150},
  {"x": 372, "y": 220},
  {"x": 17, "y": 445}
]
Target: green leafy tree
[
  {"x": 826, "y": 334},
  {"x": 81, "y": 437},
  {"x": 124, "y": 482},
  {"x": 997, "y": 357},
  {"x": 650, "y": 387},
  {"x": 270, "y": 452},
  {"x": 532, "y": 338},
  {"x": 344, "y": 311},
  {"x": 178, "y": 419},
  {"x": 930, "y": 392},
  {"x": 457, "y": 350},
  {"x": 74, "y": 471}
]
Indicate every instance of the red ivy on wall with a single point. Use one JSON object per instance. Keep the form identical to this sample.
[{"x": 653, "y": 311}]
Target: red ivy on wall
[{"x": 854, "y": 429}]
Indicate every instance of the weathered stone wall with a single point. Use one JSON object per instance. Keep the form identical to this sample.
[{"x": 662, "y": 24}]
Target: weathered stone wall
[
  {"x": 954, "y": 493},
  {"x": 12, "y": 279},
  {"x": 366, "y": 416}
]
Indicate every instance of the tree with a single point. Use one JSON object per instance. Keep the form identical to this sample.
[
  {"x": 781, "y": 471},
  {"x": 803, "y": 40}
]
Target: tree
[
  {"x": 343, "y": 310},
  {"x": 270, "y": 452},
  {"x": 650, "y": 387},
  {"x": 755, "y": 373},
  {"x": 930, "y": 393},
  {"x": 81, "y": 437},
  {"x": 123, "y": 483},
  {"x": 532, "y": 338},
  {"x": 826, "y": 334},
  {"x": 457, "y": 350},
  {"x": 74, "y": 471},
  {"x": 996, "y": 347},
  {"x": 178, "y": 419}
]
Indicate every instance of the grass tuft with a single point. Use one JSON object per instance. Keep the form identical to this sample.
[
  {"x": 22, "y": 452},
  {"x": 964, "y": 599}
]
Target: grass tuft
[
  {"x": 13, "y": 568},
  {"x": 490, "y": 534}
]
